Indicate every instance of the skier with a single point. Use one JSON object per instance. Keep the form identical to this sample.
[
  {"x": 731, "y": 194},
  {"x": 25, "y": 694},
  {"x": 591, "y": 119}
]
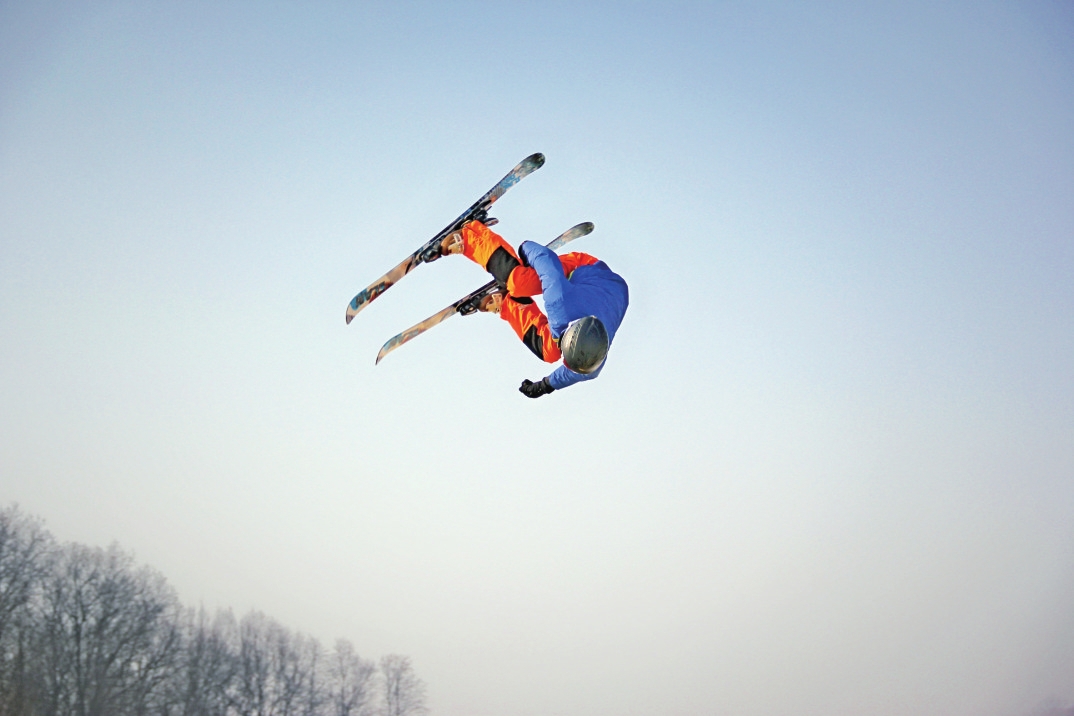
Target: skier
[{"x": 584, "y": 298}]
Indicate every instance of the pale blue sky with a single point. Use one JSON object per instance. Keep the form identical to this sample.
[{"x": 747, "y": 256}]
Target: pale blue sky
[{"x": 829, "y": 468}]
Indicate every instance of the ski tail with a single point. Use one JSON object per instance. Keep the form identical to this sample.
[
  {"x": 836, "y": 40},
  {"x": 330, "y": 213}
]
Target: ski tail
[
  {"x": 415, "y": 331},
  {"x": 575, "y": 232},
  {"x": 469, "y": 303},
  {"x": 382, "y": 284}
]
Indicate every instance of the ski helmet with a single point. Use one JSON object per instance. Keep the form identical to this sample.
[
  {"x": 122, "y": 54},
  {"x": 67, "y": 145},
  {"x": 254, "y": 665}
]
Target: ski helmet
[{"x": 584, "y": 345}]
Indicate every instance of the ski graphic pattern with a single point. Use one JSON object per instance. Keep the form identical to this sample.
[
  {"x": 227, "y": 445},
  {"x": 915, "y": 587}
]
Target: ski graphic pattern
[
  {"x": 469, "y": 303},
  {"x": 430, "y": 251}
]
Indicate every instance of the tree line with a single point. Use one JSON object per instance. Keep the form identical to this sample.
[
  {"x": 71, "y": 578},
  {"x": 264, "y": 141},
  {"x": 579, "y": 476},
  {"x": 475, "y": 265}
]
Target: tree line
[{"x": 86, "y": 632}]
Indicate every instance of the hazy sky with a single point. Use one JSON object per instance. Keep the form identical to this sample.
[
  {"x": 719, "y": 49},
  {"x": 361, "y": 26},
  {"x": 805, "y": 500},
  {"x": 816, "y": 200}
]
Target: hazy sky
[{"x": 828, "y": 469}]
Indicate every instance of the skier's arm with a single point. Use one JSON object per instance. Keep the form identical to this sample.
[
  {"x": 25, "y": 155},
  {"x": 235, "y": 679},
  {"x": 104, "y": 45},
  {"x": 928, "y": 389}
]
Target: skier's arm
[
  {"x": 563, "y": 376},
  {"x": 556, "y": 287},
  {"x": 554, "y": 283}
]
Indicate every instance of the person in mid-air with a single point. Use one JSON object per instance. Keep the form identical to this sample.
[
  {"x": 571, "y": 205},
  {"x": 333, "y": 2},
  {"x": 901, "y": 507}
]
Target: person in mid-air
[{"x": 584, "y": 298}]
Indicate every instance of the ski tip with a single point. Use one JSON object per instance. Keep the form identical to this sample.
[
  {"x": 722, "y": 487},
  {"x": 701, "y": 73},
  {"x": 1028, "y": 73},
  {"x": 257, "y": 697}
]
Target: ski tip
[
  {"x": 349, "y": 317},
  {"x": 586, "y": 228},
  {"x": 387, "y": 348},
  {"x": 537, "y": 159}
]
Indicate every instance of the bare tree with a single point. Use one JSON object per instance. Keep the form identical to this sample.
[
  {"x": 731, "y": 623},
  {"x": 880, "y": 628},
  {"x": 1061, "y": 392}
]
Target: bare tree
[
  {"x": 404, "y": 692},
  {"x": 276, "y": 671},
  {"x": 109, "y": 635},
  {"x": 351, "y": 682},
  {"x": 295, "y": 663},
  {"x": 23, "y": 543},
  {"x": 24, "y": 549},
  {"x": 84, "y": 632},
  {"x": 253, "y": 687},
  {"x": 206, "y": 669}
]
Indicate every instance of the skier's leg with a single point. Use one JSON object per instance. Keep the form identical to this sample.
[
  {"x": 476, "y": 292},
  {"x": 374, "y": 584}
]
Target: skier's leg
[
  {"x": 484, "y": 247},
  {"x": 491, "y": 252},
  {"x": 531, "y": 326},
  {"x": 524, "y": 281}
]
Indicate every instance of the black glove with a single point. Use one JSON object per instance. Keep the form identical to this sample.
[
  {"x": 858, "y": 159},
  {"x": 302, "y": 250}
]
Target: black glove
[{"x": 535, "y": 390}]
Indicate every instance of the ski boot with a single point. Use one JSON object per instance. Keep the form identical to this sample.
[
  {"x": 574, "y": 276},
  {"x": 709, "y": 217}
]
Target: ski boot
[
  {"x": 452, "y": 244},
  {"x": 492, "y": 302},
  {"x": 486, "y": 303}
]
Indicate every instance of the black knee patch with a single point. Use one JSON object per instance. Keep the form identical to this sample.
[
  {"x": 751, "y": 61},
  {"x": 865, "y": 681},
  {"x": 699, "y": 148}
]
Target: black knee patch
[
  {"x": 532, "y": 339},
  {"x": 500, "y": 265}
]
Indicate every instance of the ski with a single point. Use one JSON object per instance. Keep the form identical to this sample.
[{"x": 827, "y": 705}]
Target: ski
[
  {"x": 469, "y": 303},
  {"x": 430, "y": 251}
]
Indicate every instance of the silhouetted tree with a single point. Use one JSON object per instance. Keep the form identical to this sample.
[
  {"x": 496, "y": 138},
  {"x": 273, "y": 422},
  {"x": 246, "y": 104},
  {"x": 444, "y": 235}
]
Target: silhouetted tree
[
  {"x": 85, "y": 632},
  {"x": 205, "y": 671},
  {"x": 351, "y": 682},
  {"x": 403, "y": 691},
  {"x": 276, "y": 671},
  {"x": 24, "y": 552},
  {"x": 109, "y": 636}
]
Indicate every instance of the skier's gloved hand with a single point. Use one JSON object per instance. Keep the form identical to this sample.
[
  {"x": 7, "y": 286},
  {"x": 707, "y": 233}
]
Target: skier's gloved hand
[{"x": 535, "y": 390}]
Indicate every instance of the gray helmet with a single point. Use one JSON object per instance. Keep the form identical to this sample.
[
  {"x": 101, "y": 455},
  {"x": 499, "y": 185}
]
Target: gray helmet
[{"x": 584, "y": 345}]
